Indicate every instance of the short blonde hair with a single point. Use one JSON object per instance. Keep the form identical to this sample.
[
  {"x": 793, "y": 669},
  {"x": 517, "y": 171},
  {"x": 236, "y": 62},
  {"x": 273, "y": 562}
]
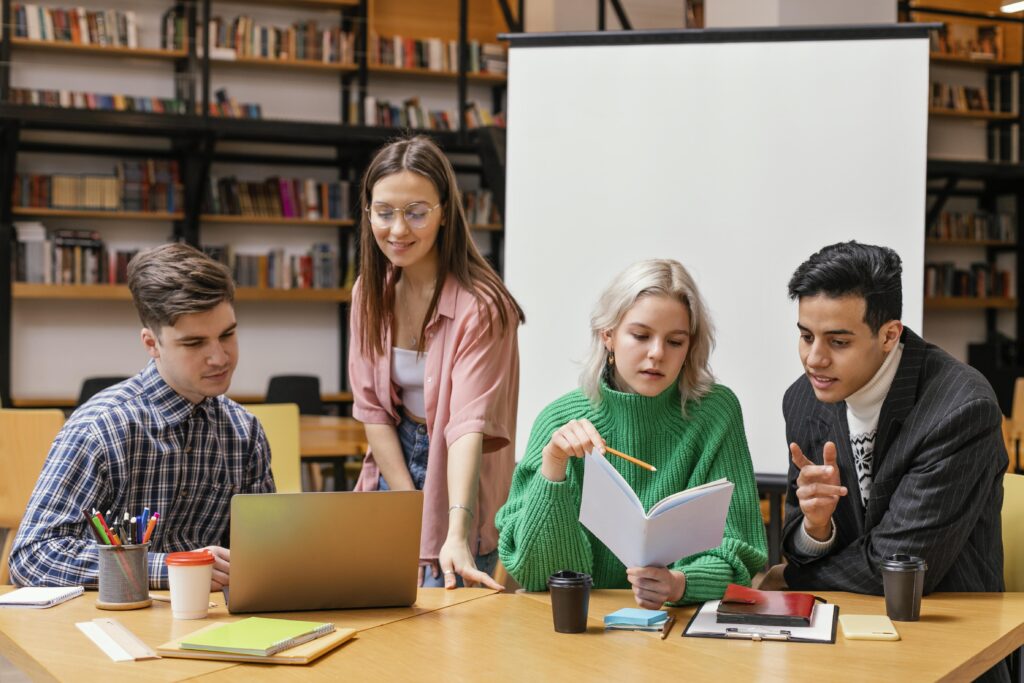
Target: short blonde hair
[{"x": 654, "y": 277}]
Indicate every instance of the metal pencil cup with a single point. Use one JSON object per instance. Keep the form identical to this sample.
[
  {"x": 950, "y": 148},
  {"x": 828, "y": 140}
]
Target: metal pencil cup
[{"x": 124, "y": 577}]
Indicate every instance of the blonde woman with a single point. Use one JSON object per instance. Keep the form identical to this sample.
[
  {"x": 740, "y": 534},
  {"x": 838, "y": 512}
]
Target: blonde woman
[{"x": 646, "y": 389}]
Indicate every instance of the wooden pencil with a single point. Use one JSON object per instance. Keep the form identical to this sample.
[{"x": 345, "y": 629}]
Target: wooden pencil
[{"x": 630, "y": 458}]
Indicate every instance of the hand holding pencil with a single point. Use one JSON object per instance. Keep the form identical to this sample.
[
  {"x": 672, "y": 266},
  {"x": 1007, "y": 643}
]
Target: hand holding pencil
[{"x": 574, "y": 440}]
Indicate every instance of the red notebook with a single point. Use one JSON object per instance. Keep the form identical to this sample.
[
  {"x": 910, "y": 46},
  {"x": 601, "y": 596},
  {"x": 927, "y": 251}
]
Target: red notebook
[{"x": 742, "y": 605}]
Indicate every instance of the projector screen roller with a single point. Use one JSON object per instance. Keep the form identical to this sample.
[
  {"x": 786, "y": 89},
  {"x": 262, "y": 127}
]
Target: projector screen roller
[{"x": 738, "y": 153}]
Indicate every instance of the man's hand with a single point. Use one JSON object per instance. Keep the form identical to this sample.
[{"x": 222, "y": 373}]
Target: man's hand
[
  {"x": 818, "y": 489},
  {"x": 221, "y": 566}
]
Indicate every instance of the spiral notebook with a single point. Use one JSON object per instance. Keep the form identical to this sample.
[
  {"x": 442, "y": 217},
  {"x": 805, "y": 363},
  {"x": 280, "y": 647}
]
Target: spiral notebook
[
  {"x": 257, "y": 636},
  {"x": 39, "y": 597}
]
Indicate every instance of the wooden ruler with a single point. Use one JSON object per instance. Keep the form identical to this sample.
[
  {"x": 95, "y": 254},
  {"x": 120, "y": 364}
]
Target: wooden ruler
[{"x": 115, "y": 640}]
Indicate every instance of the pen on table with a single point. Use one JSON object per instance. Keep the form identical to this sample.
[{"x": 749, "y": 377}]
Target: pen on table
[
  {"x": 667, "y": 627},
  {"x": 635, "y": 461}
]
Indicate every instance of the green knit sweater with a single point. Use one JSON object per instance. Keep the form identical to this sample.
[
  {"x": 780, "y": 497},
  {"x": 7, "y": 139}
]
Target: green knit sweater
[{"x": 539, "y": 526}]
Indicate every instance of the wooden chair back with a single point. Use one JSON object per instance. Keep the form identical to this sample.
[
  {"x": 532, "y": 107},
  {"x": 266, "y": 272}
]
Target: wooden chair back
[
  {"x": 25, "y": 440},
  {"x": 281, "y": 423}
]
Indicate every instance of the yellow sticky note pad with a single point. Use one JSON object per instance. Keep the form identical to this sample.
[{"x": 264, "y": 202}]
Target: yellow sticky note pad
[{"x": 868, "y": 627}]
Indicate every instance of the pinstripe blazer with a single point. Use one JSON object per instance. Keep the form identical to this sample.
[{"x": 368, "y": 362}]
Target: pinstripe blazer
[{"x": 937, "y": 479}]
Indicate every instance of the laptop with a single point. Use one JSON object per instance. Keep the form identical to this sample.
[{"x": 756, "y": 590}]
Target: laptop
[{"x": 317, "y": 551}]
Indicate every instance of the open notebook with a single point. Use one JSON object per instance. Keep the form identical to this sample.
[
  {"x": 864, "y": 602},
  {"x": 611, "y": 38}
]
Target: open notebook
[{"x": 39, "y": 597}]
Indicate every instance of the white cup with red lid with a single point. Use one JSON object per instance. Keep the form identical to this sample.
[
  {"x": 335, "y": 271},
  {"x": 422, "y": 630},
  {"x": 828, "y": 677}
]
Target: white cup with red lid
[{"x": 190, "y": 574}]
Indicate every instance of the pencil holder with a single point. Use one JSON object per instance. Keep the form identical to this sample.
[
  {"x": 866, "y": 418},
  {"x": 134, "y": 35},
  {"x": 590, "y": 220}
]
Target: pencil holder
[{"x": 124, "y": 577}]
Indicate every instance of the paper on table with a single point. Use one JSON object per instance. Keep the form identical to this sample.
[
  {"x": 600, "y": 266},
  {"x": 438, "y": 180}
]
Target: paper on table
[{"x": 679, "y": 525}]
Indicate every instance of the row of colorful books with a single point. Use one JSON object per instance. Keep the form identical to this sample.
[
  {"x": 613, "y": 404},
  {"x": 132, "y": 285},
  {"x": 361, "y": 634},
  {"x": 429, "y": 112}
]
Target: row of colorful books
[
  {"x": 981, "y": 41},
  {"x": 944, "y": 279},
  {"x": 70, "y": 99},
  {"x": 278, "y": 198},
  {"x": 973, "y": 225},
  {"x": 62, "y": 256},
  {"x": 303, "y": 40},
  {"x": 436, "y": 54},
  {"x": 104, "y": 28},
  {"x": 318, "y": 268},
  {"x": 147, "y": 185},
  {"x": 412, "y": 114},
  {"x": 959, "y": 97}
]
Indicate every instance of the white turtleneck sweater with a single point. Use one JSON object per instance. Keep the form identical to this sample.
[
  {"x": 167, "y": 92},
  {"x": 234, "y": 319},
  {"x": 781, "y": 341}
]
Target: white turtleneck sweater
[{"x": 862, "y": 410}]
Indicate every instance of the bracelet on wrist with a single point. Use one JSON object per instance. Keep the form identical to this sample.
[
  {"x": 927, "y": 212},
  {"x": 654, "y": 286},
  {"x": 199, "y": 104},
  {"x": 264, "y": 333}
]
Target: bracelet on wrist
[{"x": 459, "y": 506}]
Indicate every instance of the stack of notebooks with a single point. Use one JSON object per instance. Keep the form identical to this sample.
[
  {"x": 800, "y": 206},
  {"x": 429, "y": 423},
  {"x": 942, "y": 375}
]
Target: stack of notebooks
[{"x": 260, "y": 639}]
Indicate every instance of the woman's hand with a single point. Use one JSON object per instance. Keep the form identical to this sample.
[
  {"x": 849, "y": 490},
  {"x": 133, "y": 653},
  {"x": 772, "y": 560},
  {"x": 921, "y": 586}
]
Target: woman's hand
[
  {"x": 654, "y": 586},
  {"x": 456, "y": 558},
  {"x": 572, "y": 440}
]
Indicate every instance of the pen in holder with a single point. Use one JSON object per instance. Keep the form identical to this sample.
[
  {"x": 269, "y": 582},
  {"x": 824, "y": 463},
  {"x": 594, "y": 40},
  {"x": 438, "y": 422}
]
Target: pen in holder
[{"x": 124, "y": 577}]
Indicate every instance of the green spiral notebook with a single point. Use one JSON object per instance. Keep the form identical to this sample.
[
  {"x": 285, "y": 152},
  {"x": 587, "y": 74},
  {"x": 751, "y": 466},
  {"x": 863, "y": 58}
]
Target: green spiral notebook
[{"x": 259, "y": 636}]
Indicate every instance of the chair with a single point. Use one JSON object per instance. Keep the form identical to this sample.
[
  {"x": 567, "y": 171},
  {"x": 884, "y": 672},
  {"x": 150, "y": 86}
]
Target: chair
[
  {"x": 1013, "y": 542},
  {"x": 303, "y": 390},
  {"x": 94, "y": 385},
  {"x": 281, "y": 423},
  {"x": 25, "y": 440}
]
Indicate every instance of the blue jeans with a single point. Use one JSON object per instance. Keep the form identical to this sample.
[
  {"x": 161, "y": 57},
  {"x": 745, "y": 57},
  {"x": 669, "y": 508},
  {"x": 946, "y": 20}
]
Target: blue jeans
[{"x": 415, "y": 448}]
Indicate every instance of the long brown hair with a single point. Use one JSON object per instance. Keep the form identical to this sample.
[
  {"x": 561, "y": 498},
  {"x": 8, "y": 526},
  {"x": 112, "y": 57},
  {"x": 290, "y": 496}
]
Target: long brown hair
[{"x": 456, "y": 252}]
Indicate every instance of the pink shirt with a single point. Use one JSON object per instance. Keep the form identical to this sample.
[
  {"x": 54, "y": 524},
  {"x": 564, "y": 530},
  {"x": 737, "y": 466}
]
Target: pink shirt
[{"x": 471, "y": 385}]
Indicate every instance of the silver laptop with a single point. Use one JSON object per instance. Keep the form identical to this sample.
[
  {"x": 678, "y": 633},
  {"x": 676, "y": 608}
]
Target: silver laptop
[{"x": 314, "y": 551}]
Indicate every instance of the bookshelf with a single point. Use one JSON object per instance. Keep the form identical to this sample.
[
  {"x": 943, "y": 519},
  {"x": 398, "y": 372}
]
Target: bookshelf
[
  {"x": 200, "y": 142},
  {"x": 975, "y": 191}
]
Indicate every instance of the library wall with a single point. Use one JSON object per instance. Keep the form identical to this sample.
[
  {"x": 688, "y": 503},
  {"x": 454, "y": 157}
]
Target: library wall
[{"x": 55, "y": 343}]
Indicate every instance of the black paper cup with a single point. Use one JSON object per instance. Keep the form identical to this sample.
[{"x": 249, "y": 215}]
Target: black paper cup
[
  {"x": 570, "y": 600},
  {"x": 903, "y": 580}
]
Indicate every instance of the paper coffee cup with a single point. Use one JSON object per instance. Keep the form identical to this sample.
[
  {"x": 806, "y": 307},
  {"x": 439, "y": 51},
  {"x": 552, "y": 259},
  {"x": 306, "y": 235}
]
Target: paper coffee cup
[{"x": 189, "y": 574}]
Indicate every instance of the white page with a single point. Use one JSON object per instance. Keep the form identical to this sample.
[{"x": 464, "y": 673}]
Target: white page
[
  {"x": 688, "y": 494},
  {"x": 614, "y": 514}
]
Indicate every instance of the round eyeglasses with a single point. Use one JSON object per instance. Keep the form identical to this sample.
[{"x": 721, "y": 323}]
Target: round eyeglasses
[{"x": 415, "y": 214}]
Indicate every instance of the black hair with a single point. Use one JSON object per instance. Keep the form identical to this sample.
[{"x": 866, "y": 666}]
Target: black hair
[{"x": 854, "y": 269}]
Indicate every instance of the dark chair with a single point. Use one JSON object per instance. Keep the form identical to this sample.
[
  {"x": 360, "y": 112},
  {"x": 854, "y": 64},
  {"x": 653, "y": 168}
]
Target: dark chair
[
  {"x": 301, "y": 389},
  {"x": 94, "y": 385}
]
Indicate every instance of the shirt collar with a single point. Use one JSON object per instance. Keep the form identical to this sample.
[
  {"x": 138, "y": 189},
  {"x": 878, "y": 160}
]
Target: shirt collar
[
  {"x": 449, "y": 292},
  {"x": 167, "y": 404}
]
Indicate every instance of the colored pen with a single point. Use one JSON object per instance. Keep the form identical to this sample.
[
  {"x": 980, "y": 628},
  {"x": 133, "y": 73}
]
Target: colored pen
[
  {"x": 136, "y": 533},
  {"x": 150, "y": 527},
  {"x": 89, "y": 522},
  {"x": 635, "y": 461},
  {"x": 106, "y": 529}
]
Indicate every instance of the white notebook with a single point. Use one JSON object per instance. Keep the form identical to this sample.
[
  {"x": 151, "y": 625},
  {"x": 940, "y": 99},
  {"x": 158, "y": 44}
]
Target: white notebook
[
  {"x": 39, "y": 597},
  {"x": 677, "y": 526}
]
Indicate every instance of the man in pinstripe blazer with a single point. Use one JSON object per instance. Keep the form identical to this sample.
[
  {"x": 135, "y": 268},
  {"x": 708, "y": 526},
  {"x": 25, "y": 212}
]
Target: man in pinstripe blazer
[{"x": 896, "y": 447}]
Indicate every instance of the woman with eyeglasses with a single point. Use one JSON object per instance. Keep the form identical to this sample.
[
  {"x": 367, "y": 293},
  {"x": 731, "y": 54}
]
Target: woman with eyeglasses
[{"x": 433, "y": 361}]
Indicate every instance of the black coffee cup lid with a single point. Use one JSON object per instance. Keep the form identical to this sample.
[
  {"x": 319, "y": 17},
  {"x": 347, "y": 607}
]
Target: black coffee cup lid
[
  {"x": 567, "y": 578},
  {"x": 904, "y": 563}
]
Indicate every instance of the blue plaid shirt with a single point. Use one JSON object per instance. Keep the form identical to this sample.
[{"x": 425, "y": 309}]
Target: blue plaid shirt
[{"x": 139, "y": 444}]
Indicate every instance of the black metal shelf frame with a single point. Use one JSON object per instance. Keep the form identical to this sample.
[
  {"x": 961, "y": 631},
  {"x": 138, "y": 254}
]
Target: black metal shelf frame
[{"x": 194, "y": 140}]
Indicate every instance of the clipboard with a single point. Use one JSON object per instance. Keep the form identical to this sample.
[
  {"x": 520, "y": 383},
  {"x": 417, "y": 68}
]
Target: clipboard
[{"x": 824, "y": 622}]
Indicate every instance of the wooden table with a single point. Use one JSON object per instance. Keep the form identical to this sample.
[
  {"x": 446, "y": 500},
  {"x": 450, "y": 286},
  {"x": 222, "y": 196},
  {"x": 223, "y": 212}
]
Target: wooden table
[
  {"x": 472, "y": 634},
  {"x": 337, "y": 440},
  {"x": 46, "y": 645}
]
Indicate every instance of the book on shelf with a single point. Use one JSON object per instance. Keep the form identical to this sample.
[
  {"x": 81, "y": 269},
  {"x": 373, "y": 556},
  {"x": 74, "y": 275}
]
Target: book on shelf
[
  {"x": 317, "y": 268},
  {"x": 435, "y": 54},
  {"x": 303, "y": 40},
  {"x": 959, "y": 98},
  {"x": 151, "y": 185},
  {"x": 973, "y": 41},
  {"x": 70, "y": 99},
  {"x": 300, "y": 198},
  {"x": 174, "y": 29},
  {"x": 412, "y": 114},
  {"x": 61, "y": 257},
  {"x": 480, "y": 207},
  {"x": 1003, "y": 143},
  {"x": 973, "y": 225},
  {"x": 104, "y": 28},
  {"x": 981, "y": 280}
]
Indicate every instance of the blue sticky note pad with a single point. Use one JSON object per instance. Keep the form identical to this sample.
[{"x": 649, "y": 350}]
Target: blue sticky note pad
[{"x": 635, "y": 617}]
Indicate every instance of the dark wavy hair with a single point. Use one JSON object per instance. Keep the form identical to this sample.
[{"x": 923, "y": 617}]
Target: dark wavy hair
[
  {"x": 456, "y": 251},
  {"x": 853, "y": 269}
]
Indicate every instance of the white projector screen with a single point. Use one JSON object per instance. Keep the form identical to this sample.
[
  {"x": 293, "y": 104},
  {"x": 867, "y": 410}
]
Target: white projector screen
[{"x": 738, "y": 153}]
